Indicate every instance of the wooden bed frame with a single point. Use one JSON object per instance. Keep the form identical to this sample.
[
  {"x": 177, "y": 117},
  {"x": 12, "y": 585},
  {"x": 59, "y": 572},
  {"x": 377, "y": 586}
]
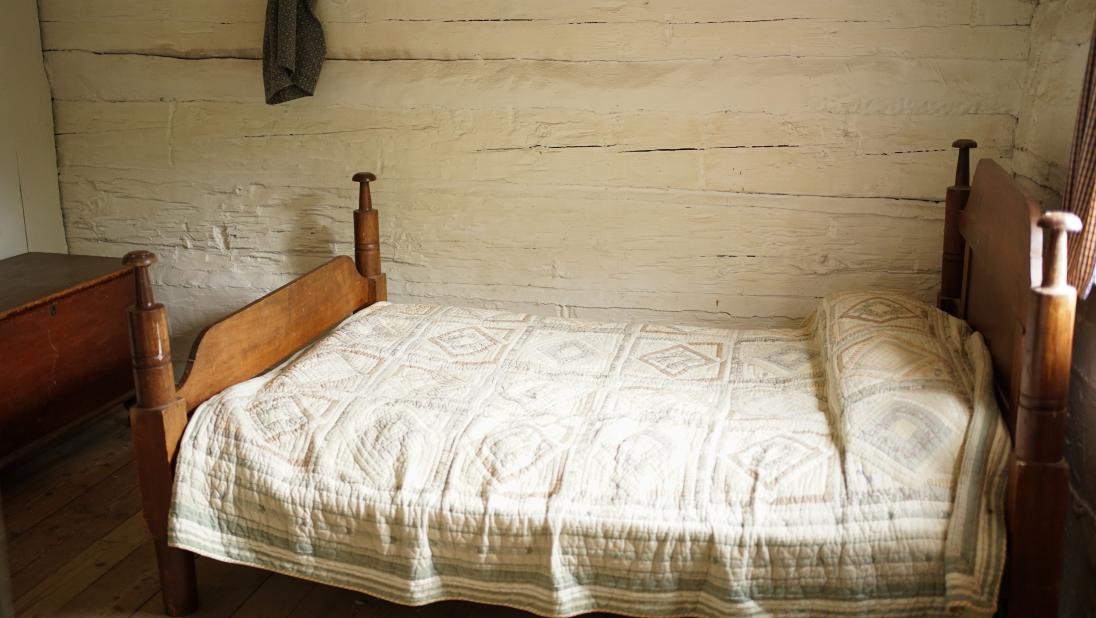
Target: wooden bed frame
[{"x": 995, "y": 275}]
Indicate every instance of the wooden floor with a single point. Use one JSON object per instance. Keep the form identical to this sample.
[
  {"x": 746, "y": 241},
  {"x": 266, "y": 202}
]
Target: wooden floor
[{"x": 77, "y": 546}]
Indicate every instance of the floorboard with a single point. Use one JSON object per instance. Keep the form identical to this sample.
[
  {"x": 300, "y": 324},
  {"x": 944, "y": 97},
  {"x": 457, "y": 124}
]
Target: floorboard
[
  {"x": 46, "y": 547},
  {"x": 43, "y": 484},
  {"x": 277, "y": 597},
  {"x": 52, "y": 593},
  {"x": 77, "y": 547},
  {"x": 127, "y": 586}
]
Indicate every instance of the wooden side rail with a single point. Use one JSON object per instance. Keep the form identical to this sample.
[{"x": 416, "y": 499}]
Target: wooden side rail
[
  {"x": 230, "y": 351},
  {"x": 1038, "y": 488}
]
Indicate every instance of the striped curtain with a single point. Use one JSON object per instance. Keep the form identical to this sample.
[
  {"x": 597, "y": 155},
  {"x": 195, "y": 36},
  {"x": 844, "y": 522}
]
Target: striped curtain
[{"x": 1081, "y": 188}]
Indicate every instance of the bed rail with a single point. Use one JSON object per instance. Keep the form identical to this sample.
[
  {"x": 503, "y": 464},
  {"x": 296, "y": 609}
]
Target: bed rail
[{"x": 237, "y": 348}]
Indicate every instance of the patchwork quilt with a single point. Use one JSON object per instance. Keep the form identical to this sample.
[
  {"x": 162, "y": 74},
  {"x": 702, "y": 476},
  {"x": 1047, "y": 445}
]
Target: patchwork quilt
[{"x": 854, "y": 465}]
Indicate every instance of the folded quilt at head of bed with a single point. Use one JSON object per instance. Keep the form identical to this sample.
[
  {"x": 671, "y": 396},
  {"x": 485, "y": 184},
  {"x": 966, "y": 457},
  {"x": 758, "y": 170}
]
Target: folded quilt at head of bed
[{"x": 418, "y": 453}]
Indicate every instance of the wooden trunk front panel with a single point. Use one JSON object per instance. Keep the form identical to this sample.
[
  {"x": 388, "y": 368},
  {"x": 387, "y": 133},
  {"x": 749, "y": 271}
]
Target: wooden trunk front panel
[{"x": 64, "y": 360}]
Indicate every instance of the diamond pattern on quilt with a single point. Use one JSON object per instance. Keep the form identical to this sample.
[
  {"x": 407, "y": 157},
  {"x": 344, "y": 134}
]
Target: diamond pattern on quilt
[
  {"x": 378, "y": 447},
  {"x": 788, "y": 358},
  {"x": 414, "y": 310},
  {"x": 895, "y": 357},
  {"x": 774, "y": 458},
  {"x": 775, "y": 406},
  {"x": 341, "y": 368},
  {"x": 420, "y": 453},
  {"x": 530, "y": 392},
  {"x": 878, "y": 310},
  {"x": 761, "y": 358},
  {"x": 522, "y": 450},
  {"x": 630, "y": 463},
  {"x": 477, "y": 315},
  {"x": 424, "y": 383},
  {"x": 574, "y": 351},
  {"x": 464, "y": 341},
  {"x": 568, "y": 351},
  {"x": 903, "y": 437},
  {"x": 677, "y": 360}
]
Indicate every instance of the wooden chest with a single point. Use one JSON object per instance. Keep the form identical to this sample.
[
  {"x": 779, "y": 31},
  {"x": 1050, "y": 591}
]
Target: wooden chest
[{"x": 64, "y": 343}]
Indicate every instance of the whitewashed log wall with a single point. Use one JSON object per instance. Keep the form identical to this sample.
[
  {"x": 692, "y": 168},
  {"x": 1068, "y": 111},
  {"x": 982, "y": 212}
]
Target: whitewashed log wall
[{"x": 708, "y": 161}]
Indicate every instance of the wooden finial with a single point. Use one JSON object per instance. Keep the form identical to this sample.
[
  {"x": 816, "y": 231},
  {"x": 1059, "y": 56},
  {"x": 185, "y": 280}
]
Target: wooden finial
[
  {"x": 962, "y": 166},
  {"x": 367, "y": 239},
  {"x": 365, "y": 200},
  {"x": 157, "y": 419},
  {"x": 1059, "y": 224},
  {"x": 141, "y": 261}
]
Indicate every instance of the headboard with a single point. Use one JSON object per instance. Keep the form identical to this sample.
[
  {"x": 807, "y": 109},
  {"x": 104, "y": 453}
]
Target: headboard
[
  {"x": 1000, "y": 276},
  {"x": 1003, "y": 262}
]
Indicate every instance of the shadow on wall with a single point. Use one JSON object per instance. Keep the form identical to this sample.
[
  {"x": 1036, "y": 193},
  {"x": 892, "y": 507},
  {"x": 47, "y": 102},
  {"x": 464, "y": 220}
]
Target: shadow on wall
[
  {"x": 303, "y": 233},
  {"x": 314, "y": 236}
]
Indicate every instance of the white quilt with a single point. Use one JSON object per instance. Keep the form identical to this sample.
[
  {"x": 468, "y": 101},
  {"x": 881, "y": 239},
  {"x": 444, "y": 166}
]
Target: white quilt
[{"x": 855, "y": 465}]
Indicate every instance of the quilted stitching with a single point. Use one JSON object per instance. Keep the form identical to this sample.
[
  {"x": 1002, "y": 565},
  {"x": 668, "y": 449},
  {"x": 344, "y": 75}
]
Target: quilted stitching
[{"x": 420, "y": 453}]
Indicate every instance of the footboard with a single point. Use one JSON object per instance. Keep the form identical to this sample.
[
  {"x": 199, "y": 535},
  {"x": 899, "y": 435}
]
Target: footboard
[
  {"x": 262, "y": 334},
  {"x": 237, "y": 348}
]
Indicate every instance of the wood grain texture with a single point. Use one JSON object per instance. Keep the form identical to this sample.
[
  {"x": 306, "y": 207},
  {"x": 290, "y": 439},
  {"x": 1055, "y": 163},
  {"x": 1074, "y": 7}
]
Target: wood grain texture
[
  {"x": 100, "y": 562},
  {"x": 1015, "y": 293},
  {"x": 529, "y": 150},
  {"x": 898, "y": 12},
  {"x": 1003, "y": 264},
  {"x": 37, "y": 554},
  {"x": 530, "y": 40},
  {"x": 1061, "y": 33},
  {"x": 158, "y": 419},
  {"x": 63, "y": 357},
  {"x": 1039, "y": 483},
  {"x": 837, "y": 85},
  {"x": 266, "y": 332},
  {"x": 105, "y": 448},
  {"x": 84, "y": 569},
  {"x": 34, "y": 279}
]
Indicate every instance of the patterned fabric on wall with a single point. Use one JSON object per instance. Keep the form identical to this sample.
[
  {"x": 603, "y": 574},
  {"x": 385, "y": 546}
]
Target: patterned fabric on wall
[
  {"x": 1080, "y": 195},
  {"x": 293, "y": 50},
  {"x": 420, "y": 453}
]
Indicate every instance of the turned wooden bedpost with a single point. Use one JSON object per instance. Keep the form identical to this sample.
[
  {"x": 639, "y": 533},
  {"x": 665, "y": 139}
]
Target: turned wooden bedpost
[
  {"x": 157, "y": 419},
  {"x": 951, "y": 268},
  {"x": 1039, "y": 477},
  {"x": 367, "y": 240}
]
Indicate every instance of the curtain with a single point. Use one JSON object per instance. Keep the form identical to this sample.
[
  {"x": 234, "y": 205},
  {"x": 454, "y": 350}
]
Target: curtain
[{"x": 1081, "y": 187}]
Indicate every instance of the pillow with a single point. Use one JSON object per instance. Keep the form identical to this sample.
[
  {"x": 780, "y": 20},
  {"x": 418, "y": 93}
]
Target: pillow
[
  {"x": 899, "y": 385},
  {"x": 911, "y": 405}
]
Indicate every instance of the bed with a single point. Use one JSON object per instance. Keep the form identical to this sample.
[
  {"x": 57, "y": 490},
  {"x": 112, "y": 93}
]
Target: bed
[{"x": 873, "y": 460}]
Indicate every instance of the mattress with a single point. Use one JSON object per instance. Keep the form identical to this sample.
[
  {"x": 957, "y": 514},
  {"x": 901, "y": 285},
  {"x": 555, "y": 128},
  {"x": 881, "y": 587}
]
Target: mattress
[{"x": 853, "y": 465}]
